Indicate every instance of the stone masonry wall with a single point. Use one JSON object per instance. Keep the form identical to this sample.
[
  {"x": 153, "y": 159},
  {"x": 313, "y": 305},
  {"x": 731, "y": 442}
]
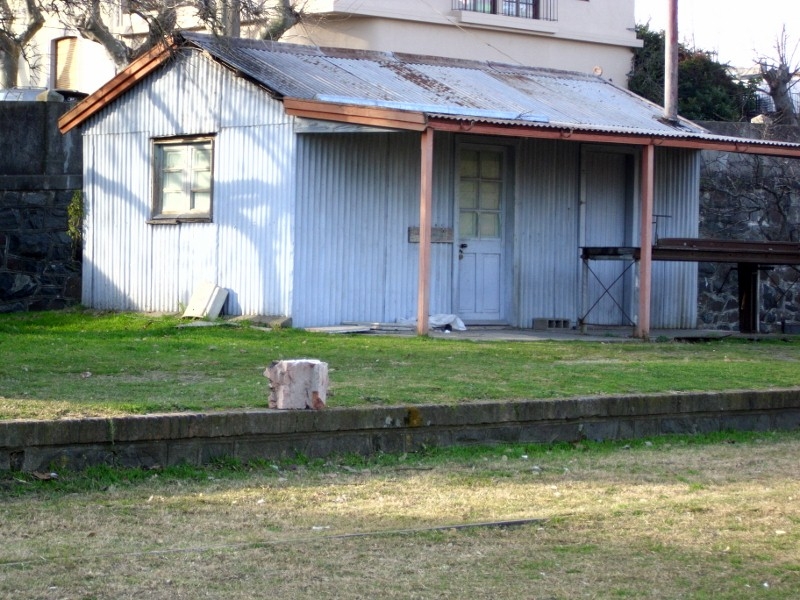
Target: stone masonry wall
[
  {"x": 749, "y": 197},
  {"x": 149, "y": 441},
  {"x": 40, "y": 170}
]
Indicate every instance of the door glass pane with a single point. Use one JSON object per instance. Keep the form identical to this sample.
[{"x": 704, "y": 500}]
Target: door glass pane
[
  {"x": 469, "y": 163},
  {"x": 490, "y": 195},
  {"x": 489, "y": 225},
  {"x": 468, "y": 225},
  {"x": 491, "y": 165},
  {"x": 468, "y": 194}
]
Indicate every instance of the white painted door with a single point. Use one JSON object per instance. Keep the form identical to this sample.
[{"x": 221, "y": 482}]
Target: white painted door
[{"x": 480, "y": 191}]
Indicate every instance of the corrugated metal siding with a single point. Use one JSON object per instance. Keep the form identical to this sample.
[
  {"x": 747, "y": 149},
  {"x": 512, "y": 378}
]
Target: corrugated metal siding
[
  {"x": 674, "y": 293},
  {"x": 607, "y": 180},
  {"x": 255, "y": 218},
  {"x": 357, "y": 196},
  {"x": 547, "y": 263},
  {"x": 247, "y": 248},
  {"x": 546, "y": 220},
  {"x": 192, "y": 94},
  {"x": 116, "y": 186},
  {"x": 443, "y": 256}
]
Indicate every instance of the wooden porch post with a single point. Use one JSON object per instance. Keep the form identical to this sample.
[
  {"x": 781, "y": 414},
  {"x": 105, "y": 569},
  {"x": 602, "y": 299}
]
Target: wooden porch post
[
  {"x": 646, "y": 242},
  {"x": 425, "y": 207}
]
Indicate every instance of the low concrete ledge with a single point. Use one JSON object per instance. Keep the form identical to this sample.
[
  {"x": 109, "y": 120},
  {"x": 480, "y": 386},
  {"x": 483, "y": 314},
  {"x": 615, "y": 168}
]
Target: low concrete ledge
[{"x": 197, "y": 438}]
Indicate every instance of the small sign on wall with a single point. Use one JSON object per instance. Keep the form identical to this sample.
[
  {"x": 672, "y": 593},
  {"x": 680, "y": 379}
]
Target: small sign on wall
[{"x": 439, "y": 235}]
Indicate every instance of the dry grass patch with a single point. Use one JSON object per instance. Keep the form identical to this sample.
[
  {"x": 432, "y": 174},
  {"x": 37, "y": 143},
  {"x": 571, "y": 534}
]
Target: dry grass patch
[{"x": 672, "y": 520}]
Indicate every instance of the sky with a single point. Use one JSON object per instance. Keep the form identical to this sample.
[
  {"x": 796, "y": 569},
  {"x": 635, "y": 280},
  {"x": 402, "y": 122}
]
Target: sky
[{"x": 738, "y": 30}]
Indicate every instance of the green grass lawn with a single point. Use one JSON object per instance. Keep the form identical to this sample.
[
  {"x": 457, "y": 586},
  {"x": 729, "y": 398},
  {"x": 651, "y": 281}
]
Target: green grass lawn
[{"x": 73, "y": 363}]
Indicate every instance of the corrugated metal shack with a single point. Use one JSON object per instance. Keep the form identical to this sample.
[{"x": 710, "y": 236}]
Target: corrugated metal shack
[{"x": 363, "y": 186}]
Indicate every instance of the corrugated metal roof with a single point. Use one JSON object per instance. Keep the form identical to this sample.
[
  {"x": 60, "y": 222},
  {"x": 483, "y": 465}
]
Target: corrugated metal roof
[
  {"x": 677, "y": 133},
  {"x": 454, "y": 88},
  {"x": 428, "y": 88}
]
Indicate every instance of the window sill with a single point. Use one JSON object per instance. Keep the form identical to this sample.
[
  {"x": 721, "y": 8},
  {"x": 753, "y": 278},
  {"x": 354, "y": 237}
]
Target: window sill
[
  {"x": 480, "y": 19},
  {"x": 177, "y": 220}
]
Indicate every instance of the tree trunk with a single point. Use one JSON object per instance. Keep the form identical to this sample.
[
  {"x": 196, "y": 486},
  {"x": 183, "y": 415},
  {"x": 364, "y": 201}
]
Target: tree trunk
[
  {"x": 781, "y": 96},
  {"x": 286, "y": 18},
  {"x": 230, "y": 17},
  {"x": 12, "y": 41},
  {"x": 9, "y": 65},
  {"x": 779, "y": 76}
]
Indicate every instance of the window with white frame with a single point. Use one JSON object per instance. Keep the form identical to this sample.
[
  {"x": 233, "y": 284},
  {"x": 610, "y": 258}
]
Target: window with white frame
[{"x": 183, "y": 169}]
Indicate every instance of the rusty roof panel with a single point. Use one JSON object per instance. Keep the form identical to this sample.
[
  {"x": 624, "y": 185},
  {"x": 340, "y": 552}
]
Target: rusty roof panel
[
  {"x": 454, "y": 89},
  {"x": 428, "y": 87},
  {"x": 424, "y": 83}
]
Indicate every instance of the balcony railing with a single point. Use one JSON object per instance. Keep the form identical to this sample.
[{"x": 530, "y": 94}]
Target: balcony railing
[{"x": 544, "y": 10}]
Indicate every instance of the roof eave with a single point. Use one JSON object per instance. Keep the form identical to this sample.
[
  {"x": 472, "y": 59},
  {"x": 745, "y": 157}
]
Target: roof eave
[
  {"x": 388, "y": 118},
  {"x": 410, "y": 120},
  {"x": 565, "y": 133},
  {"x": 121, "y": 83}
]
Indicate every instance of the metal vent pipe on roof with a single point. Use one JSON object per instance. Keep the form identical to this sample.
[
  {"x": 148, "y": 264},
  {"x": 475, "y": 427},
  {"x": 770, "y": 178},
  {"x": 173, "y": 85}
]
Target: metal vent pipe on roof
[{"x": 671, "y": 64}]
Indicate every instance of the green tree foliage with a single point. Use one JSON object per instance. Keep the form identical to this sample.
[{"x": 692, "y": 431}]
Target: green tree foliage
[
  {"x": 647, "y": 76},
  {"x": 706, "y": 90}
]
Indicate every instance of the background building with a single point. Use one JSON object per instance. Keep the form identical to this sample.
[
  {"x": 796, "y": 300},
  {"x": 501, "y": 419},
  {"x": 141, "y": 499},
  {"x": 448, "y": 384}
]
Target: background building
[{"x": 594, "y": 36}]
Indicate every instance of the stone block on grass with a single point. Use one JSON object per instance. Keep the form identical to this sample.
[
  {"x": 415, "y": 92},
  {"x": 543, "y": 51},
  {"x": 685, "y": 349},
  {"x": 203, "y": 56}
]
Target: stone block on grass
[{"x": 297, "y": 384}]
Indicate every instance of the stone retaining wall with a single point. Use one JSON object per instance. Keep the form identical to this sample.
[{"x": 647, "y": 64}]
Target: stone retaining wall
[
  {"x": 757, "y": 198},
  {"x": 197, "y": 438},
  {"x": 39, "y": 264}
]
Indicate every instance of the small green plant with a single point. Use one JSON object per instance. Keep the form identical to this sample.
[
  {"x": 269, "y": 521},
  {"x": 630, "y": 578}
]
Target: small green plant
[{"x": 75, "y": 215}]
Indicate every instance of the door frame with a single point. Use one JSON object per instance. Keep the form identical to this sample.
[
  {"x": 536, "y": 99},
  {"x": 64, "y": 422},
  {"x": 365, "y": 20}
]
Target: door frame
[{"x": 509, "y": 150}]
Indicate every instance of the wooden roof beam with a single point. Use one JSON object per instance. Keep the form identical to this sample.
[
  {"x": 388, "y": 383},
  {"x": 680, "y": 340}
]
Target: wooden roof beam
[
  {"x": 122, "y": 82},
  {"x": 526, "y": 131},
  {"x": 360, "y": 115}
]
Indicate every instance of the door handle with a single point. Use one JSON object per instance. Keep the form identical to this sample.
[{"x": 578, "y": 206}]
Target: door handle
[{"x": 461, "y": 251}]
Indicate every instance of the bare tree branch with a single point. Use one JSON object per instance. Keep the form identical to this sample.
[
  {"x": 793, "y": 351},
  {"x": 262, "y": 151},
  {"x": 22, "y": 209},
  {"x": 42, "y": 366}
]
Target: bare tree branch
[
  {"x": 262, "y": 18},
  {"x": 15, "y": 38},
  {"x": 87, "y": 18}
]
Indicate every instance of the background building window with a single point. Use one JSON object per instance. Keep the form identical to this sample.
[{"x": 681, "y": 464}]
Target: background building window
[
  {"x": 546, "y": 10},
  {"x": 183, "y": 179},
  {"x": 526, "y": 9}
]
